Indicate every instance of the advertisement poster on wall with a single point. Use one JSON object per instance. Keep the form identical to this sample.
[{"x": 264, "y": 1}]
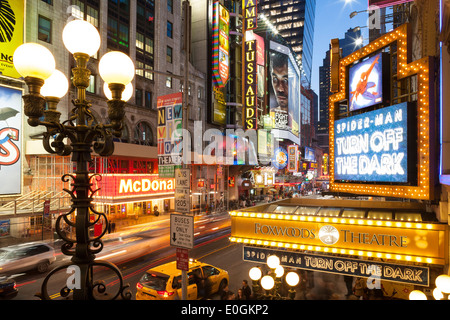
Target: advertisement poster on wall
[
  {"x": 366, "y": 83},
  {"x": 284, "y": 88},
  {"x": 11, "y": 35},
  {"x": 170, "y": 123},
  {"x": 10, "y": 140}
]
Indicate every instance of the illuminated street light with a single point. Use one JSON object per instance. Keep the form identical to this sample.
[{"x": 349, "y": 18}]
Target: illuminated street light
[
  {"x": 417, "y": 295},
  {"x": 77, "y": 136}
]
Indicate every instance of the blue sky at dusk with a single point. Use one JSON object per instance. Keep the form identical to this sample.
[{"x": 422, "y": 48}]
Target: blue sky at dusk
[{"x": 332, "y": 21}]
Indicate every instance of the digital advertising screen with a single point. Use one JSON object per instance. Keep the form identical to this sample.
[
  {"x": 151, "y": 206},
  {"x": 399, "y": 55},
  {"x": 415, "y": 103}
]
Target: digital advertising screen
[
  {"x": 284, "y": 89},
  {"x": 373, "y": 146},
  {"x": 366, "y": 83}
]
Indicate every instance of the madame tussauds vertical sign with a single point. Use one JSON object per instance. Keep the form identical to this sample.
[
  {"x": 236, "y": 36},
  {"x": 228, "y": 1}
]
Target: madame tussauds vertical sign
[
  {"x": 373, "y": 146},
  {"x": 250, "y": 86}
]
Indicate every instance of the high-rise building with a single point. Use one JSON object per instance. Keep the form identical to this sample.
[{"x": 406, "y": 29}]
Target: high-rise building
[
  {"x": 348, "y": 45},
  {"x": 294, "y": 20}
]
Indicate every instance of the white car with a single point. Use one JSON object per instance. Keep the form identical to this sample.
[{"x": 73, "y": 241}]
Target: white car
[{"x": 27, "y": 256}]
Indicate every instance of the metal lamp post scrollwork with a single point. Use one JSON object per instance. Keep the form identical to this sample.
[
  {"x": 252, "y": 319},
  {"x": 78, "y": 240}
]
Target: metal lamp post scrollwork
[{"x": 77, "y": 136}]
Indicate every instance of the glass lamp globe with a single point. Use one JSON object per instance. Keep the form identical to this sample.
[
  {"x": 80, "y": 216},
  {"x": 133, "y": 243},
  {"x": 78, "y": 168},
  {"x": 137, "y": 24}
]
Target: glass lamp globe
[
  {"x": 34, "y": 60},
  {"x": 255, "y": 273},
  {"x": 273, "y": 262},
  {"x": 279, "y": 271},
  {"x": 126, "y": 94},
  {"x": 116, "y": 67},
  {"x": 80, "y": 36},
  {"x": 417, "y": 295},
  {"x": 437, "y": 294},
  {"x": 443, "y": 283},
  {"x": 267, "y": 282},
  {"x": 56, "y": 85},
  {"x": 292, "y": 279}
]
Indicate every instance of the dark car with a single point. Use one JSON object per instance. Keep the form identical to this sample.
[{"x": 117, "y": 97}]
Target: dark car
[{"x": 8, "y": 289}]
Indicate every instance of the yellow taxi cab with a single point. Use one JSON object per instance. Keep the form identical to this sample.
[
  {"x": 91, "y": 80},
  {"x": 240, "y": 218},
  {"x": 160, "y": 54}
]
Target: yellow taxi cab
[{"x": 164, "y": 282}]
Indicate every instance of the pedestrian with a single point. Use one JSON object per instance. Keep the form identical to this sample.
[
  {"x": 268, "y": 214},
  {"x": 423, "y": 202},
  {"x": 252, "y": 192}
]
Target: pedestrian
[
  {"x": 226, "y": 293},
  {"x": 360, "y": 288},
  {"x": 240, "y": 295},
  {"x": 349, "y": 284},
  {"x": 246, "y": 289}
]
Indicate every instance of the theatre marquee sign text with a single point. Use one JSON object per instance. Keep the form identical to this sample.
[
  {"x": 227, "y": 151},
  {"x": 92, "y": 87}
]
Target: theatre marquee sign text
[{"x": 403, "y": 241}]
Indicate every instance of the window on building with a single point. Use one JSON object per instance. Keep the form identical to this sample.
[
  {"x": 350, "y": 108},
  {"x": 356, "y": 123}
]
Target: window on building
[
  {"x": 170, "y": 6},
  {"x": 91, "y": 87},
  {"x": 199, "y": 92},
  {"x": 169, "y": 29},
  {"x": 139, "y": 68},
  {"x": 148, "y": 99},
  {"x": 118, "y": 25},
  {"x": 169, "y": 54},
  {"x": 143, "y": 134},
  {"x": 148, "y": 74},
  {"x": 169, "y": 82},
  {"x": 88, "y": 12},
  {"x": 138, "y": 97},
  {"x": 139, "y": 41},
  {"x": 44, "y": 29},
  {"x": 50, "y": 2}
]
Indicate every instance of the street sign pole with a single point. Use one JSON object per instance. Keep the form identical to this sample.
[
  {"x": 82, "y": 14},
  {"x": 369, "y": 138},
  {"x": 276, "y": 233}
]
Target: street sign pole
[{"x": 187, "y": 52}]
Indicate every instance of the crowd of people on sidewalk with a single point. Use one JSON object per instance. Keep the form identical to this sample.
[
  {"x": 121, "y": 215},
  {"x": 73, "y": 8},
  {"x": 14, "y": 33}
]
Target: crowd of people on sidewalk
[{"x": 323, "y": 288}]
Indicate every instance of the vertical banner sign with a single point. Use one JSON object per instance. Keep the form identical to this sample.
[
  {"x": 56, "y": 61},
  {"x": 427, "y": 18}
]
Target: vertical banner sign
[
  {"x": 170, "y": 124},
  {"x": 250, "y": 87},
  {"x": 293, "y": 158},
  {"x": 221, "y": 44},
  {"x": 11, "y": 34},
  {"x": 250, "y": 14},
  {"x": 10, "y": 140}
]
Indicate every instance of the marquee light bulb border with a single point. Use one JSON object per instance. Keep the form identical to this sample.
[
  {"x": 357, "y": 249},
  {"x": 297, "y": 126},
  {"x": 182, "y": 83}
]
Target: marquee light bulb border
[
  {"x": 337, "y": 250},
  {"x": 422, "y": 68}
]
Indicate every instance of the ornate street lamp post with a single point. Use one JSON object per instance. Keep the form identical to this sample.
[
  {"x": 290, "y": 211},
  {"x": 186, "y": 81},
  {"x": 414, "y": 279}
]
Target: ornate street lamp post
[
  {"x": 77, "y": 136},
  {"x": 272, "y": 283}
]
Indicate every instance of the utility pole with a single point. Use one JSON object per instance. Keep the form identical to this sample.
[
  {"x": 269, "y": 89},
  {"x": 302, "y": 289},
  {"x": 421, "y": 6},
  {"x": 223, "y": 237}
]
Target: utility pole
[{"x": 187, "y": 52}]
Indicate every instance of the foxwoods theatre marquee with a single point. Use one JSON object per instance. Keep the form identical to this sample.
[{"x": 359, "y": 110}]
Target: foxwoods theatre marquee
[{"x": 380, "y": 145}]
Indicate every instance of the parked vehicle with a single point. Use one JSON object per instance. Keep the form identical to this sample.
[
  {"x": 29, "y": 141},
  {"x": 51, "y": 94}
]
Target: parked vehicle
[
  {"x": 25, "y": 257},
  {"x": 164, "y": 282}
]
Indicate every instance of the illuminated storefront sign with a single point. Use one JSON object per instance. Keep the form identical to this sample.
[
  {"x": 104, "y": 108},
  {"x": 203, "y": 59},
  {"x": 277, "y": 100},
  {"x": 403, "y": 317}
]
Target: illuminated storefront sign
[
  {"x": 293, "y": 158},
  {"x": 386, "y": 3},
  {"x": 325, "y": 165},
  {"x": 221, "y": 44},
  {"x": 250, "y": 14},
  {"x": 423, "y": 118},
  {"x": 280, "y": 159},
  {"x": 404, "y": 241},
  {"x": 10, "y": 140},
  {"x": 170, "y": 123},
  {"x": 250, "y": 87},
  {"x": 118, "y": 186},
  {"x": 410, "y": 274},
  {"x": 11, "y": 35},
  {"x": 373, "y": 146}
]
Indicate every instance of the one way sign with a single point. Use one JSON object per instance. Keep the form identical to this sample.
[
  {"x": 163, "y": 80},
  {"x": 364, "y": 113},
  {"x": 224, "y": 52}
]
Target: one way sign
[{"x": 182, "y": 231}]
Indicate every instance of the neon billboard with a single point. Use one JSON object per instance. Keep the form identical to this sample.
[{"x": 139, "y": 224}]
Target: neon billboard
[{"x": 221, "y": 44}]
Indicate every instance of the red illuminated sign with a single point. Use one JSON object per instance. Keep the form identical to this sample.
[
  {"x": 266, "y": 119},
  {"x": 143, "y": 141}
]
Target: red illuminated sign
[
  {"x": 126, "y": 185},
  {"x": 386, "y": 3}
]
